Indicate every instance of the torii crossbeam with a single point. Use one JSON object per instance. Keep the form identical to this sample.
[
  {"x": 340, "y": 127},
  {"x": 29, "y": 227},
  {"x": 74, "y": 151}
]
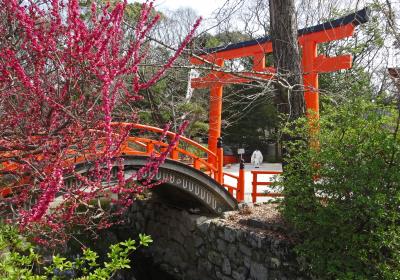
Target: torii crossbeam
[{"x": 312, "y": 64}]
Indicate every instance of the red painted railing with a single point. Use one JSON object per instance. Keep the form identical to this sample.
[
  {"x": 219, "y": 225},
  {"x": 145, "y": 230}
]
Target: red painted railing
[
  {"x": 238, "y": 190},
  {"x": 256, "y": 183},
  {"x": 198, "y": 156},
  {"x": 212, "y": 164},
  {"x": 185, "y": 150}
]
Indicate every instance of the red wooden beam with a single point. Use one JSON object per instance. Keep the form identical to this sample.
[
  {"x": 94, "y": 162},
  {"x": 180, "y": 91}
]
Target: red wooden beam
[
  {"x": 234, "y": 53},
  {"x": 337, "y": 33},
  {"x": 219, "y": 78},
  {"x": 317, "y": 37},
  {"x": 325, "y": 64}
]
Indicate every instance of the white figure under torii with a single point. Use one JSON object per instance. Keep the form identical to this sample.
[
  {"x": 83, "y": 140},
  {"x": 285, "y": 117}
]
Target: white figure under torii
[{"x": 256, "y": 158}]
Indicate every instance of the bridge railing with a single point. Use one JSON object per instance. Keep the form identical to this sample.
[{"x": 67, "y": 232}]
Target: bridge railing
[
  {"x": 185, "y": 150},
  {"x": 238, "y": 190},
  {"x": 256, "y": 183}
]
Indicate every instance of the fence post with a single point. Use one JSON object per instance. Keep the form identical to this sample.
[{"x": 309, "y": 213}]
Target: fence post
[
  {"x": 220, "y": 161},
  {"x": 241, "y": 181},
  {"x": 254, "y": 192}
]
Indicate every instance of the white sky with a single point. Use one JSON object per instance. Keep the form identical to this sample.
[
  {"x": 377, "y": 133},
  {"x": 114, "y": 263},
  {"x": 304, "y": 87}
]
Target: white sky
[{"x": 202, "y": 7}]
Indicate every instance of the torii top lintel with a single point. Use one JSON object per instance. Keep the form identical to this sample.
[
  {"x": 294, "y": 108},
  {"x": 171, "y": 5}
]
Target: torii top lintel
[
  {"x": 312, "y": 64},
  {"x": 329, "y": 31}
]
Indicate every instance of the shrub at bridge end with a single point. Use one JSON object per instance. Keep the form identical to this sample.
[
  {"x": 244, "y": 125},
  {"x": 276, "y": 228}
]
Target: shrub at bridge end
[{"x": 343, "y": 200}]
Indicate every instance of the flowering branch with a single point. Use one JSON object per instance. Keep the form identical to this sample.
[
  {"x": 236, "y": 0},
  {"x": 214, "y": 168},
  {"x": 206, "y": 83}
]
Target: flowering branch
[{"x": 63, "y": 76}]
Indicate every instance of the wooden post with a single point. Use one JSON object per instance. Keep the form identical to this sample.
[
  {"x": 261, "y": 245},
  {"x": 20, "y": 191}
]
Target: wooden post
[
  {"x": 214, "y": 120},
  {"x": 254, "y": 183},
  {"x": 311, "y": 95},
  {"x": 150, "y": 147},
  {"x": 310, "y": 78},
  {"x": 220, "y": 161},
  {"x": 241, "y": 183},
  {"x": 259, "y": 62},
  {"x": 196, "y": 163},
  {"x": 174, "y": 152}
]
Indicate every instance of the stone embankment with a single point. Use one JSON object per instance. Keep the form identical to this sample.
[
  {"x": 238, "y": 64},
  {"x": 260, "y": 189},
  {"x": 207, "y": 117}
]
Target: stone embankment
[{"x": 191, "y": 247}]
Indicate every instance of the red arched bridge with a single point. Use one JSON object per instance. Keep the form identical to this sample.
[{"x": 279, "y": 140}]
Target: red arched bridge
[{"x": 194, "y": 173}]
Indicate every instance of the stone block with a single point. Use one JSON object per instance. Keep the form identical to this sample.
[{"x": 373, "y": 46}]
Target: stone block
[
  {"x": 257, "y": 256},
  {"x": 258, "y": 271},
  {"x": 190, "y": 274},
  {"x": 241, "y": 235},
  {"x": 226, "y": 266},
  {"x": 176, "y": 236},
  {"x": 240, "y": 273},
  {"x": 245, "y": 249},
  {"x": 211, "y": 236},
  {"x": 204, "y": 265},
  {"x": 278, "y": 275},
  {"x": 246, "y": 262},
  {"x": 229, "y": 234},
  {"x": 256, "y": 241},
  {"x": 201, "y": 251},
  {"x": 233, "y": 253},
  {"x": 198, "y": 241},
  {"x": 184, "y": 230},
  {"x": 221, "y": 245},
  {"x": 274, "y": 262},
  {"x": 221, "y": 276},
  {"x": 204, "y": 226},
  {"x": 199, "y": 219},
  {"x": 214, "y": 258},
  {"x": 188, "y": 223}
]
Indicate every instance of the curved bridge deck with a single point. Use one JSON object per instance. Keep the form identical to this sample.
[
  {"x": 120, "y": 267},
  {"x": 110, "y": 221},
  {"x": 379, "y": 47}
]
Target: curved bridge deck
[{"x": 191, "y": 176}]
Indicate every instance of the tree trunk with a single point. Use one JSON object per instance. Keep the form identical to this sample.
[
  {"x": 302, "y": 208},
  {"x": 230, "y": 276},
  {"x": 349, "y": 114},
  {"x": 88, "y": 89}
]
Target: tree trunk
[{"x": 287, "y": 60}]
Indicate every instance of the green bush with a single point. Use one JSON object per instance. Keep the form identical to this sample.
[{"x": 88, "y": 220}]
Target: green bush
[
  {"x": 343, "y": 201},
  {"x": 18, "y": 260}
]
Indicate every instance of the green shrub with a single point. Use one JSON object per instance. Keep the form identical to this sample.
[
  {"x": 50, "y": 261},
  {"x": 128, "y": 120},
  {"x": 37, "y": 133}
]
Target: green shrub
[
  {"x": 343, "y": 201},
  {"x": 18, "y": 260}
]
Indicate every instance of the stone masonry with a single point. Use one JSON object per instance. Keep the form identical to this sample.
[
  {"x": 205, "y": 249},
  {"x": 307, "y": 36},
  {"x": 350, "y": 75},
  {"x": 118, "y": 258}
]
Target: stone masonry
[{"x": 193, "y": 247}]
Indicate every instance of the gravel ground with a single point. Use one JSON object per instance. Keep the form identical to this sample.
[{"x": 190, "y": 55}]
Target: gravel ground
[{"x": 260, "y": 218}]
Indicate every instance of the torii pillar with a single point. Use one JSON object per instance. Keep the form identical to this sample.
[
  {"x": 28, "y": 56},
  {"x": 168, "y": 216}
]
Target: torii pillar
[{"x": 215, "y": 114}]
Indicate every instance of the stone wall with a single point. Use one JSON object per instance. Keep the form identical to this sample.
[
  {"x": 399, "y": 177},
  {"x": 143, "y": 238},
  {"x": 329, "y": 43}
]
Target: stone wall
[{"x": 192, "y": 247}]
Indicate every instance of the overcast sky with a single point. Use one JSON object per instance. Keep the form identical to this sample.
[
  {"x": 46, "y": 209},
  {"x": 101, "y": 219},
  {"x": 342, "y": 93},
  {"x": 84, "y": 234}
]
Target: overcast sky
[{"x": 202, "y": 7}]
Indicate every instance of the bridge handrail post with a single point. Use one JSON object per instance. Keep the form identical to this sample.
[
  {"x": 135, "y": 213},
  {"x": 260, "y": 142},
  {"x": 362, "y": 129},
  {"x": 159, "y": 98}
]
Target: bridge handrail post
[
  {"x": 241, "y": 180},
  {"x": 150, "y": 147},
  {"x": 174, "y": 154},
  {"x": 174, "y": 151},
  {"x": 196, "y": 163},
  {"x": 163, "y": 146},
  {"x": 220, "y": 161}
]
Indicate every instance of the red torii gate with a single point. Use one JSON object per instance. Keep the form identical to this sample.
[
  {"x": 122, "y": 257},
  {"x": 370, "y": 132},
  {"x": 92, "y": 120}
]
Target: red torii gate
[{"x": 312, "y": 64}]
